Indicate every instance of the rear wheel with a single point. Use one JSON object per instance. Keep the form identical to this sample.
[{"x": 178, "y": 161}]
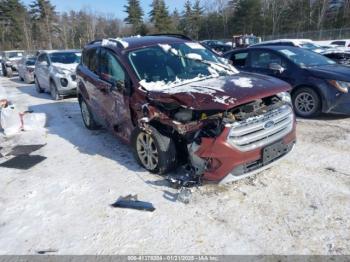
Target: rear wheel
[
  {"x": 54, "y": 92},
  {"x": 88, "y": 118},
  {"x": 306, "y": 102},
  {"x": 154, "y": 151}
]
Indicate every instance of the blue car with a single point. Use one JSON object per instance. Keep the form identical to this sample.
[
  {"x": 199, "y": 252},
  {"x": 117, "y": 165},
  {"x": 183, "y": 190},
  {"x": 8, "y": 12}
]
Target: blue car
[{"x": 319, "y": 84}]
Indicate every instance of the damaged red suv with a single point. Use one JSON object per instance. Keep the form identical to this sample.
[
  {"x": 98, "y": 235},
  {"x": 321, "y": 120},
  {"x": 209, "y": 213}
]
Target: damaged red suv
[{"x": 178, "y": 104}]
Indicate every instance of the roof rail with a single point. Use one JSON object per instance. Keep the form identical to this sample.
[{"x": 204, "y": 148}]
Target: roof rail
[
  {"x": 95, "y": 41},
  {"x": 173, "y": 35}
]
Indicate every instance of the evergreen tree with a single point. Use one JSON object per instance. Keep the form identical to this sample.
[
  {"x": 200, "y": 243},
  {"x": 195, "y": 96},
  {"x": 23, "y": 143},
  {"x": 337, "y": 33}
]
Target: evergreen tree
[
  {"x": 44, "y": 20},
  {"x": 186, "y": 20},
  {"x": 159, "y": 16},
  {"x": 135, "y": 14},
  {"x": 12, "y": 24},
  {"x": 196, "y": 18}
]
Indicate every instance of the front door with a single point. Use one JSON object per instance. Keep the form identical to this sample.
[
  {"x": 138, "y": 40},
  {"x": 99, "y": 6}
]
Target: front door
[{"x": 112, "y": 94}]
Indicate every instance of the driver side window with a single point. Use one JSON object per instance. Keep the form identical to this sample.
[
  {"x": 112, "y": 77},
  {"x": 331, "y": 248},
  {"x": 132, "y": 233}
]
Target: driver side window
[{"x": 110, "y": 68}]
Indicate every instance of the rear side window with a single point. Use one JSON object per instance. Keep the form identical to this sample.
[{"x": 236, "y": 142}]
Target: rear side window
[
  {"x": 239, "y": 59},
  {"x": 341, "y": 43}
]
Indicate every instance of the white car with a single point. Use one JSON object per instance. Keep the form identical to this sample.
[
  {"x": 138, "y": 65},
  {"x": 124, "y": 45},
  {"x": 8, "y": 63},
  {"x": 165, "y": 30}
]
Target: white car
[
  {"x": 302, "y": 43},
  {"x": 342, "y": 43},
  {"x": 26, "y": 69},
  {"x": 55, "y": 72}
]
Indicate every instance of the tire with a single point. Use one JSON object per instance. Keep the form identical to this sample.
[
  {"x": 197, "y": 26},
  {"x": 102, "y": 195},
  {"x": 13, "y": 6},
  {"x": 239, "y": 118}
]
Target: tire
[
  {"x": 9, "y": 72},
  {"x": 37, "y": 86},
  {"x": 3, "y": 70},
  {"x": 54, "y": 92},
  {"x": 306, "y": 102},
  {"x": 160, "y": 149},
  {"x": 87, "y": 116}
]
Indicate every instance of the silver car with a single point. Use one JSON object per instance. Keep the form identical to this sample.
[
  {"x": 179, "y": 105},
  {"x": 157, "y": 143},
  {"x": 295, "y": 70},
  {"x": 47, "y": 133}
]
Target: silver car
[
  {"x": 26, "y": 69},
  {"x": 55, "y": 72}
]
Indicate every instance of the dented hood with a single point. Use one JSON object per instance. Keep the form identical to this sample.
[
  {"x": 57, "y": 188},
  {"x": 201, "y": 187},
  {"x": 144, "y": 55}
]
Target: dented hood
[{"x": 221, "y": 93}]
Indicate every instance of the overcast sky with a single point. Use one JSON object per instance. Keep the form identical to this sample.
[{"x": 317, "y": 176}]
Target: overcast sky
[{"x": 115, "y": 7}]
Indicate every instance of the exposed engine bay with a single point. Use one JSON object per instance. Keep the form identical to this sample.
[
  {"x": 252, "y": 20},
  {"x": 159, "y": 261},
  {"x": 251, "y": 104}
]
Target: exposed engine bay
[{"x": 189, "y": 127}]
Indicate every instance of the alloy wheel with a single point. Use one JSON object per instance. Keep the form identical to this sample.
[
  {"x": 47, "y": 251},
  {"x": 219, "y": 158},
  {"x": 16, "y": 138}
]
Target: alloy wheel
[
  {"x": 147, "y": 151},
  {"x": 305, "y": 103}
]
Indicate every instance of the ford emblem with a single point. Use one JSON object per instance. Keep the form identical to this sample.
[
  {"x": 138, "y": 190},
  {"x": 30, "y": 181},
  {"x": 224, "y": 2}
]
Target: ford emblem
[{"x": 269, "y": 124}]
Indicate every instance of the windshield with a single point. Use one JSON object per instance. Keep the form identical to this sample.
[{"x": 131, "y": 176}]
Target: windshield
[
  {"x": 184, "y": 61},
  {"x": 309, "y": 45},
  {"x": 305, "y": 58},
  {"x": 65, "y": 57},
  {"x": 13, "y": 54},
  {"x": 30, "y": 62}
]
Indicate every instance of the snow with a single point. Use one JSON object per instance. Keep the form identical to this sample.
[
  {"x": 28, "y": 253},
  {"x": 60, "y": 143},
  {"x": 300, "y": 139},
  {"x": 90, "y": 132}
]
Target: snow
[
  {"x": 194, "y": 56},
  {"x": 243, "y": 82},
  {"x": 106, "y": 42},
  {"x": 301, "y": 206},
  {"x": 70, "y": 67}
]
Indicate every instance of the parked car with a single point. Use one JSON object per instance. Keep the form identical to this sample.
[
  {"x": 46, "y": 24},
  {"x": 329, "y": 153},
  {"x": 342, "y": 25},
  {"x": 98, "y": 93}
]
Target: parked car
[
  {"x": 339, "y": 55},
  {"x": 55, "y": 72},
  {"x": 10, "y": 60},
  {"x": 177, "y": 104},
  {"x": 216, "y": 46},
  {"x": 26, "y": 69},
  {"x": 301, "y": 43},
  {"x": 319, "y": 84},
  {"x": 342, "y": 43}
]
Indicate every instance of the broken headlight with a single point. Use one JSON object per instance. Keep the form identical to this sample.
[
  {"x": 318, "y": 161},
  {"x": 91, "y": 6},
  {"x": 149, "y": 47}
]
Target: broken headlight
[
  {"x": 340, "y": 85},
  {"x": 285, "y": 97}
]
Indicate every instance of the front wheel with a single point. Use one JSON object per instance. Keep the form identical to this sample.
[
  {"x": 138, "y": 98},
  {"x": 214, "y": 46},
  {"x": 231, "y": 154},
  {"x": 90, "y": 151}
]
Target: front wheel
[
  {"x": 54, "y": 92},
  {"x": 9, "y": 72},
  {"x": 37, "y": 86},
  {"x": 154, "y": 151},
  {"x": 306, "y": 102}
]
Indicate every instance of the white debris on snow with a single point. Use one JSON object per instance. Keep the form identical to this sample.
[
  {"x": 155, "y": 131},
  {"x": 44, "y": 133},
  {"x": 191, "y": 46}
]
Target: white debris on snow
[
  {"x": 243, "y": 82},
  {"x": 226, "y": 100}
]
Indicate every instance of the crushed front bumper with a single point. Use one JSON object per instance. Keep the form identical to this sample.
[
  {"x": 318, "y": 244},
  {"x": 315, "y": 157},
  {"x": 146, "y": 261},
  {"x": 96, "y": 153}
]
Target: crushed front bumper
[{"x": 227, "y": 160}]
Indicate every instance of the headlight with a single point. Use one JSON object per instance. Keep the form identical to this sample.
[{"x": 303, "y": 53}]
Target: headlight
[
  {"x": 340, "y": 85},
  {"x": 285, "y": 96}
]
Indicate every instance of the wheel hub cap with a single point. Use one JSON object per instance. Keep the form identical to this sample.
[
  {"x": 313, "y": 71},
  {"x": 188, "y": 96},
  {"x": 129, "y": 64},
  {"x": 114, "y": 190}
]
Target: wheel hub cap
[
  {"x": 305, "y": 103},
  {"x": 147, "y": 151}
]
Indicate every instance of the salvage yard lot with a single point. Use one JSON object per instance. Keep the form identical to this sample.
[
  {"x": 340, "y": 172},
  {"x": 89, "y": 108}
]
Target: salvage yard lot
[{"x": 300, "y": 206}]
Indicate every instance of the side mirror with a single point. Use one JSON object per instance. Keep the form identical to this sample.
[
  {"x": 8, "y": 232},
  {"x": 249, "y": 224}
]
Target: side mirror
[{"x": 276, "y": 68}]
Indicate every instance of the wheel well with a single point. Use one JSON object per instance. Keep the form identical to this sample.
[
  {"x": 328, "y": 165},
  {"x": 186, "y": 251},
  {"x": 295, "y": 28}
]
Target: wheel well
[{"x": 179, "y": 141}]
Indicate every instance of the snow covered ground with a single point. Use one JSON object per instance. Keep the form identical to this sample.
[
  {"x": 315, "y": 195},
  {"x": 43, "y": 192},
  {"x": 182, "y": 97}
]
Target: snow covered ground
[{"x": 301, "y": 206}]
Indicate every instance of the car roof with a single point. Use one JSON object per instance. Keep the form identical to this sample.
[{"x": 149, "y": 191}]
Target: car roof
[
  {"x": 59, "y": 51},
  {"x": 267, "y": 47},
  {"x": 130, "y": 43}
]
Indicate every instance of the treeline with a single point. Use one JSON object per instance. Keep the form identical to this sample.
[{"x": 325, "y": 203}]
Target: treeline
[{"x": 40, "y": 26}]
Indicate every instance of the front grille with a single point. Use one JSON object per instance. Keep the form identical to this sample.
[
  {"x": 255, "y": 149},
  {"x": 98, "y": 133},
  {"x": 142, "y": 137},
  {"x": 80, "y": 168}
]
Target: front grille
[{"x": 261, "y": 130}]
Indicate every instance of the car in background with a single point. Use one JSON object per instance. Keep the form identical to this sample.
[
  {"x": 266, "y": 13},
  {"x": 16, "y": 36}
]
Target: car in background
[
  {"x": 341, "y": 43},
  {"x": 178, "y": 104},
  {"x": 216, "y": 46},
  {"x": 10, "y": 60},
  {"x": 301, "y": 43},
  {"x": 26, "y": 69},
  {"x": 55, "y": 72},
  {"x": 339, "y": 55},
  {"x": 319, "y": 83}
]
